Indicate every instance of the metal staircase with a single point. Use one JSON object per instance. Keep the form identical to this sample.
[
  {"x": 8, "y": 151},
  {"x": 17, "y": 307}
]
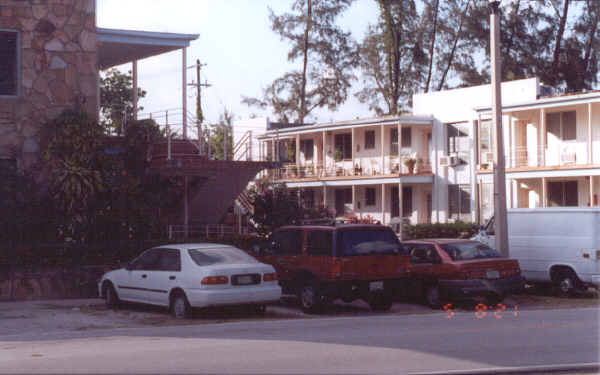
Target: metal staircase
[{"x": 214, "y": 185}]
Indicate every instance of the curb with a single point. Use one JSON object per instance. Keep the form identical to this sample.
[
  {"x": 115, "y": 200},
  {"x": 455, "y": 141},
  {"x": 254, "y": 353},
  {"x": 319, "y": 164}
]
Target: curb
[{"x": 585, "y": 368}]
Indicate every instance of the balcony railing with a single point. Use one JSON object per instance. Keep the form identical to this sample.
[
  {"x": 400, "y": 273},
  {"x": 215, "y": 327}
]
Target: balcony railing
[
  {"x": 346, "y": 169},
  {"x": 523, "y": 157}
]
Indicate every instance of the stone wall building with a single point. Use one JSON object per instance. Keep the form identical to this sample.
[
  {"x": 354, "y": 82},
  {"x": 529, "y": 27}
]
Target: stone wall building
[{"x": 49, "y": 63}]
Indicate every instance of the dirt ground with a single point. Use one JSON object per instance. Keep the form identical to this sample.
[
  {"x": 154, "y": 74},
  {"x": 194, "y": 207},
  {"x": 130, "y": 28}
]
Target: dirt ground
[{"x": 89, "y": 314}]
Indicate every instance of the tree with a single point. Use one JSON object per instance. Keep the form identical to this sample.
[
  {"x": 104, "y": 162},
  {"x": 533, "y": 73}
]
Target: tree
[
  {"x": 217, "y": 136},
  {"x": 327, "y": 56},
  {"x": 116, "y": 100}
]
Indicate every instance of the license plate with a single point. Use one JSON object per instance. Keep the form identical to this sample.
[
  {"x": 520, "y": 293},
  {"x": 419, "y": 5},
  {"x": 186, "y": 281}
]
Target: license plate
[
  {"x": 492, "y": 274},
  {"x": 375, "y": 286},
  {"x": 243, "y": 280}
]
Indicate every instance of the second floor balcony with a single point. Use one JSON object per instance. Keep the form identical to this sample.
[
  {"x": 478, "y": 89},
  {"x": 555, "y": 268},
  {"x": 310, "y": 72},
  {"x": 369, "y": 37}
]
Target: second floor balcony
[{"x": 360, "y": 151}]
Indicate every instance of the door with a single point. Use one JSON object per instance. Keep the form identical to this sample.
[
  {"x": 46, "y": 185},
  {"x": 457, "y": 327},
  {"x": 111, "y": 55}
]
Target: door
[
  {"x": 160, "y": 281},
  {"x": 395, "y": 202},
  {"x": 135, "y": 285},
  {"x": 342, "y": 196},
  {"x": 285, "y": 252}
]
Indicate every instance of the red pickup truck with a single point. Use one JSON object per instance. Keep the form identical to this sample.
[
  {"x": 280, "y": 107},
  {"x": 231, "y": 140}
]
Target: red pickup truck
[
  {"x": 322, "y": 263},
  {"x": 443, "y": 269}
]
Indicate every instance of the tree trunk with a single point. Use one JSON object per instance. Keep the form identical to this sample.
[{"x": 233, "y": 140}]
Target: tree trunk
[
  {"x": 451, "y": 57},
  {"x": 393, "y": 42},
  {"x": 590, "y": 43},
  {"x": 432, "y": 47},
  {"x": 302, "y": 113},
  {"x": 559, "y": 36}
]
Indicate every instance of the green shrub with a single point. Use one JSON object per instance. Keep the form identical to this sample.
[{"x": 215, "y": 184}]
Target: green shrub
[{"x": 439, "y": 230}]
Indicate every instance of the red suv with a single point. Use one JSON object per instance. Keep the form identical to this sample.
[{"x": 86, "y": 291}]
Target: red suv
[
  {"x": 322, "y": 263},
  {"x": 444, "y": 269}
]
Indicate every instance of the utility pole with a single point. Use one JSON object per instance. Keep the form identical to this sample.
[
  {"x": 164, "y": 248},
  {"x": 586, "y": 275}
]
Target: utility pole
[
  {"x": 500, "y": 221},
  {"x": 199, "y": 114}
]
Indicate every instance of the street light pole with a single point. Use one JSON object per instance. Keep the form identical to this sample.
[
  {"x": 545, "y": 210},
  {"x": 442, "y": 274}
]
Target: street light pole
[{"x": 500, "y": 221}]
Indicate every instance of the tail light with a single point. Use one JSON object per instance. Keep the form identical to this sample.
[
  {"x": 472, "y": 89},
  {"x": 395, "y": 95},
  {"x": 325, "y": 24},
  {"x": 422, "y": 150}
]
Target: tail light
[
  {"x": 598, "y": 254},
  {"x": 215, "y": 280},
  {"x": 463, "y": 275},
  {"x": 336, "y": 270},
  {"x": 269, "y": 277}
]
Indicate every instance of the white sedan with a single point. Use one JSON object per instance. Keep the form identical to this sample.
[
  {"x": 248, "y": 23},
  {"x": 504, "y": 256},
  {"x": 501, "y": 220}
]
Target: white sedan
[{"x": 183, "y": 276}]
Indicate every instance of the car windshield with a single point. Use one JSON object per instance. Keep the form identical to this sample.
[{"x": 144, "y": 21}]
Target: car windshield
[
  {"x": 469, "y": 250},
  {"x": 368, "y": 241},
  {"x": 227, "y": 255}
]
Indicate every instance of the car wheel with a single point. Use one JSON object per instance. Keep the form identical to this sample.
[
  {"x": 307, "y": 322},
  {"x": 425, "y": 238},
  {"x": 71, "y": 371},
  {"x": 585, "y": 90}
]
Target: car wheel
[
  {"x": 379, "y": 302},
  {"x": 433, "y": 296},
  {"x": 310, "y": 297},
  {"x": 180, "y": 308},
  {"x": 110, "y": 297},
  {"x": 258, "y": 309},
  {"x": 494, "y": 299},
  {"x": 567, "y": 283}
]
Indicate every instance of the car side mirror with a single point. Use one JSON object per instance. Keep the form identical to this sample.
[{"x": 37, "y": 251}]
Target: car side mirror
[{"x": 481, "y": 227}]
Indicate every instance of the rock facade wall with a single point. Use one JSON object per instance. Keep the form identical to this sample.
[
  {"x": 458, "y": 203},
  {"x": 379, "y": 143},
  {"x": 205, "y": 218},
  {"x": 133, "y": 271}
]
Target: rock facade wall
[
  {"x": 34, "y": 283},
  {"x": 58, "y": 69}
]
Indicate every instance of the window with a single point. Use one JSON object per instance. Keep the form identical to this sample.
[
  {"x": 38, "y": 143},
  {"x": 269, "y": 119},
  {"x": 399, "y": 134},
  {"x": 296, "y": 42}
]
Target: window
[
  {"x": 423, "y": 254},
  {"x": 407, "y": 207},
  {"x": 318, "y": 242},
  {"x": 485, "y": 137},
  {"x": 469, "y": 250},
  {"x": 367, "y": 242},
  {"x": 458, "y": 141},
  {"x": 562, "y": 194},
  {"x": 288, "y": 242},
  {"x": 562, "y": 125},
  {"x": 369, "y": 139},
  {"x": 148, "y": 261},
  {"x": 307, "y": 148},
  {"x": 343, "y": 143},
  {"x": 370, "y": 196},
  {"x": 170, "y": 260},
  {"x": 459, "y": 202},
  {"x": 394, "y": 141},
  {"x": 9, "y": 70},
  {"x": 406, "y": 135},
  {"x": 221, "y": 255},
  {"x": 308, "y": 198}
]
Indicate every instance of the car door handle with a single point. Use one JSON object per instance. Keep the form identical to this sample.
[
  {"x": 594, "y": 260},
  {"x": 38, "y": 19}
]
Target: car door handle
[
  {"x": 144, "y": 276},
  {"x": 171, "y": 277}
]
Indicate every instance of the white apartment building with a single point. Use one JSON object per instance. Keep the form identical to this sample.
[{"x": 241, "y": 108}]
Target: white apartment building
[{"x": 361, "y": 167}]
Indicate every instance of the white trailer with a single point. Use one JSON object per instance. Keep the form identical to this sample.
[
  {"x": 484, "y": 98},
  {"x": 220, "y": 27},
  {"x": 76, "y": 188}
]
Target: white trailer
[{"x": 559, "y": 245}]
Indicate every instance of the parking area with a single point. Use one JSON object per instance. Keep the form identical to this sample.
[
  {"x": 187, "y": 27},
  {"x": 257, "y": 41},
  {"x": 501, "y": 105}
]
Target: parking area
[{"x": 90, "y": 314}]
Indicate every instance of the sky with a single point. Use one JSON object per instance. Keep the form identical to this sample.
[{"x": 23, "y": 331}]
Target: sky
[{"x": 242, "y": 53}]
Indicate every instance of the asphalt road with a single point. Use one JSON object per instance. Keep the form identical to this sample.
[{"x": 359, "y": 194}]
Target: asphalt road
[{"x": 372, "y": 344}]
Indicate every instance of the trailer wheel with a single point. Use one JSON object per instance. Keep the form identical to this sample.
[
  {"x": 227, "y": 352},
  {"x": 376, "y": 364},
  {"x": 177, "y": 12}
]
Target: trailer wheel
[{"x": 567, "y": 283}]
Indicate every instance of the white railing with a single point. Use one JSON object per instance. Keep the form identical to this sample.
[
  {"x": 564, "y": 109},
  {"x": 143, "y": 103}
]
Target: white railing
[{"x": 206, "y": 231}]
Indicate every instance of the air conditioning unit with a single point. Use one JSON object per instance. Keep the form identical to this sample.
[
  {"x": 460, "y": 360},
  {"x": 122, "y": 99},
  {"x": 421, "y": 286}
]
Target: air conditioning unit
[
  {"x": 487, "y": 158},
  {"x": 448, "y": 161}
]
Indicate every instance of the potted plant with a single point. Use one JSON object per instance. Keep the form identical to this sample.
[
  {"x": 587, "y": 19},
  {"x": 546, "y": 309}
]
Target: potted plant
[
  {"x": 337, "y": 154},
  {"x": 410, "y": 164},
  {"x": 419, "y": 165}
]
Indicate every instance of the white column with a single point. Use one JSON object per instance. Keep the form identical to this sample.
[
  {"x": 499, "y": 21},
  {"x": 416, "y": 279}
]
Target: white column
[
  {"x": 134, "y": 70},
  {"x": 324, "y": 152},
  {"x": 383, "y": 204},
  {"x": 542, "y": 142},
  {"x": 324, "y": 196},
  {"x": 591, "y": 191},
  {"x": 298, "y": 151},
  {"x": 353, "y": 198},
  {"x": 382, "y": 150},
  {"x": 400, "y": 204},
  {"x": 353, "y": 154},
  {"x": 544, "y": 193},
  {"x": 511, "y": 142},
  {"x": 589, "y": 145},
  {"x": 184, "y": 90}
]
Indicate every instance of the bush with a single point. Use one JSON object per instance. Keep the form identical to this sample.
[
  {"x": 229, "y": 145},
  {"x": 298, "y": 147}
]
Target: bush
[{"x": 439, "y": 230}]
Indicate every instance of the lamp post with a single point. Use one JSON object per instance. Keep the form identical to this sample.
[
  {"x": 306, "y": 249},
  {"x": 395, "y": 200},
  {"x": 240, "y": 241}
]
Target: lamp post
[{"x": 500, "y": 221}]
